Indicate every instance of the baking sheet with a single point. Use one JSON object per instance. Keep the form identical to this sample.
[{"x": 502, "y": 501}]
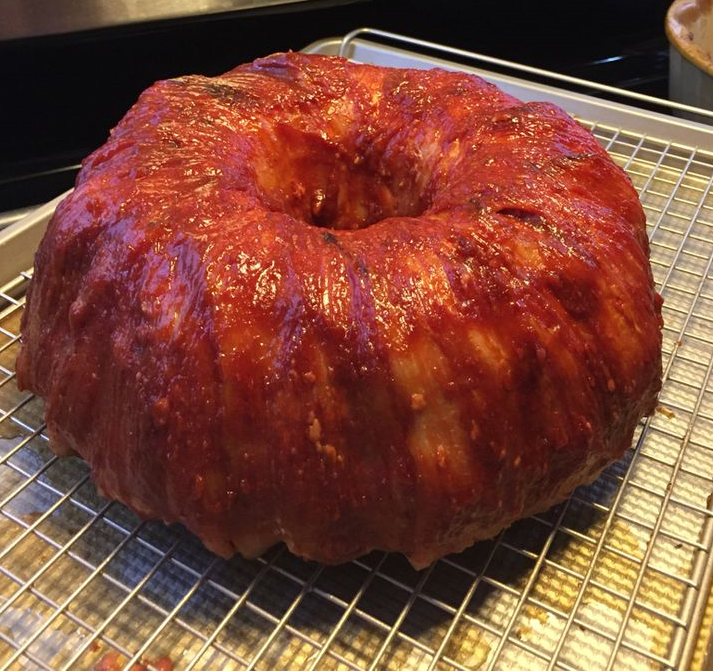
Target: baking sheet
[{"x": 616, "y": 577}]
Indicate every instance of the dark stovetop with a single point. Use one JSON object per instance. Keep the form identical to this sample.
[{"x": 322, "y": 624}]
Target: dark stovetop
[{"x": 63, "y": 93}]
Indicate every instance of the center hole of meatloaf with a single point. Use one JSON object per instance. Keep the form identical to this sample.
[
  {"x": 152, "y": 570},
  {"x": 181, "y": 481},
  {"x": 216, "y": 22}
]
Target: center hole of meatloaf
[{"x": 335, "y": 185}]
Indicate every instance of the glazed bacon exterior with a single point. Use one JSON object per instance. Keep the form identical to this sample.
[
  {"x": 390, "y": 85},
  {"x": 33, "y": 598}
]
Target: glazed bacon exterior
[{"x": 345, "y": 307}]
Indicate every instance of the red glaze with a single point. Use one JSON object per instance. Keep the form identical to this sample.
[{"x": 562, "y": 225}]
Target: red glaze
[
  {"x": 343, "y": 306},
  {"x": 115, "y": 661}
]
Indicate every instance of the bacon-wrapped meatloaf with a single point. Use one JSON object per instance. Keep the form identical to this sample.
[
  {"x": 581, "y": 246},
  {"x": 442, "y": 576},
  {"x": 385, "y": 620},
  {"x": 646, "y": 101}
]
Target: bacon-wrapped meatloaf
[{"x": 345, "y": 307}]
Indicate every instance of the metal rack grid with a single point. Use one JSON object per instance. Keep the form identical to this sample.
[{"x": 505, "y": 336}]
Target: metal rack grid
[{"x": 616, "y": 577}]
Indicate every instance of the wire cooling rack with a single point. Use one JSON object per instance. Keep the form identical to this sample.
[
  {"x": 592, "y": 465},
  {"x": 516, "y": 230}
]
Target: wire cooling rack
[{"x": 618, "y": 576}]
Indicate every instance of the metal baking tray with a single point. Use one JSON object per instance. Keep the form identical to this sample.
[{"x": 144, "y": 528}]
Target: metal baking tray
[{"x": 618, "y": 576}]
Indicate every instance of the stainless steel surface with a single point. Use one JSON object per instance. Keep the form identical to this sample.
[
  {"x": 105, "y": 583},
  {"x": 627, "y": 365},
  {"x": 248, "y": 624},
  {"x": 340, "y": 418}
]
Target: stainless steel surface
[
  {"x": 616, "y": 577},
  {"x": 689, "y": 29},
  {"x": 32, "y": 18},
  {"x": 11, "y": 216},
  {"x": 689, "y": 84},
  {"x": 19, "y": 240}
]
